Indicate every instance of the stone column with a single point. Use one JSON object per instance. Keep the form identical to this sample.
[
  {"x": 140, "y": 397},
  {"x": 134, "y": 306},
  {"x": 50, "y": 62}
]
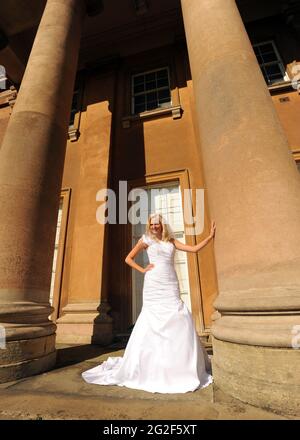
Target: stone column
[
  {"x": 254, "y": 195},
  {"x": 31, "y": 166}
]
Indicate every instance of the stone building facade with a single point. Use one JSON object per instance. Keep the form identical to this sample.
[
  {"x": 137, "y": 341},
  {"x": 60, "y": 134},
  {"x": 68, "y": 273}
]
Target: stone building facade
[{"x": 167, "y": 96}]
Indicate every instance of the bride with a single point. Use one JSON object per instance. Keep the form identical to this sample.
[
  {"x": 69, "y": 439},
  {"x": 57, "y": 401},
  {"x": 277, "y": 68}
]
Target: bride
[{"x": 163, "y": 354}]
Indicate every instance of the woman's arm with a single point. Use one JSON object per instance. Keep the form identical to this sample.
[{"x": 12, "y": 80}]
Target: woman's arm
[
  {"x": 196, "y": 248},
  {"x": 140, "y": 246}
]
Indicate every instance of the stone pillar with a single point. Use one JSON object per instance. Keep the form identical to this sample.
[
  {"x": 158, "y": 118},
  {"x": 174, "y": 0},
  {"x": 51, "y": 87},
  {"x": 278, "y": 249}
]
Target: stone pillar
[
  {"x": 254, "y": 195},
  {"x": 31, "y": 166}
]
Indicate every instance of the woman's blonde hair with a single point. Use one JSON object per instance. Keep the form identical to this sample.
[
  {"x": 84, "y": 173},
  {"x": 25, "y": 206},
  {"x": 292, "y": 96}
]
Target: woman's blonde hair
[{"x": 167, "y": 233}]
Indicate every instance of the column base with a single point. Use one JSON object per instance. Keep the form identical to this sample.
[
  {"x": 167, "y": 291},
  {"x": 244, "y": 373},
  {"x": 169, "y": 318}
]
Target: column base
[
  {"x": 85, "y": 324},
  {"x": 23, "y": 358},
  {"x": 266, "y": 377}
]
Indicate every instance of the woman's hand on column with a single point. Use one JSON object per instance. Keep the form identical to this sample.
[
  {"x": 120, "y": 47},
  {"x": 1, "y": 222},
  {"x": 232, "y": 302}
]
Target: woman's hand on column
[{"x": 212, "y": 229}]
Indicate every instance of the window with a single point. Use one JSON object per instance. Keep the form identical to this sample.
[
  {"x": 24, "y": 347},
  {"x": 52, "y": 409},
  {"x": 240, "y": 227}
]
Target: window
[
  {"x": 56, "y": 289},
  {"x": 58, "y": 227},
  {"x": 151, "y": 90},
  {"x": 270, "y": 62},
  {"x": 75, "y": 114},
  {"x": 75, "y": 104}
]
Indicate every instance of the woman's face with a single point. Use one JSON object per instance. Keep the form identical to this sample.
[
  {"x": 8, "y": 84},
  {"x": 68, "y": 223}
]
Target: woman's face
[{"x": 155, "y": 226}]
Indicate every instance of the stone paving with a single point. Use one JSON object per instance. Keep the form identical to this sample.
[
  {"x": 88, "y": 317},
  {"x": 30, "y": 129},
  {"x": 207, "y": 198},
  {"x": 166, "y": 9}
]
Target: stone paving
[{"x": 62, "y": 394}]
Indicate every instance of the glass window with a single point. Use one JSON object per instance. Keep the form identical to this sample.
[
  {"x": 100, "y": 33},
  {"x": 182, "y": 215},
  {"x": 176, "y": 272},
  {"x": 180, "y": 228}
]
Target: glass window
[
  {"x": 270, "y": 62},
  {"x": 58, "y": 228},
  {"x": 75, "y": 107},
  {"x": 151, "y": 90},
  {"x": 76, "y": 100}
]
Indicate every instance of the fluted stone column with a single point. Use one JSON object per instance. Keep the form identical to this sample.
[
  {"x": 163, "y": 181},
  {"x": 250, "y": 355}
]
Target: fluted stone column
[
  {"x": 254, "y": 195},
  {"x": 31, "y": 166}
]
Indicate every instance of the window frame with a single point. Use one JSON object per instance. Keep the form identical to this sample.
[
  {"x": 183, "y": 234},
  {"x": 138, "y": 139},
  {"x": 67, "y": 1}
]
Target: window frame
[
  {"x": 59, "y": 295},
  {"x": 133, "y": 95},
  {"x": 75, "y": 111},
  {"x": 279, "y": 63}
]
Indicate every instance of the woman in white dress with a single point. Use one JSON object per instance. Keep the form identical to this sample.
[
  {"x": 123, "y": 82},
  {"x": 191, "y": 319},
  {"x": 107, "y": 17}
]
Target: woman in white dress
[{"x": 163, "y": 354}]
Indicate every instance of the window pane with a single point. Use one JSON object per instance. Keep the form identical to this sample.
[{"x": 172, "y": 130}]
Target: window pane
[
  {"x": 269, "y": 57},
  {"x": 277, "y": 77},
  {"x": 138, "y": 79},
  {"x": 273, "y": 69},
  {"x": 56, "y": 246},
  {"x": 74, "y": 108},
  {"x": 162, "y": 74},
  {"x": 139, "y": 99},
  {"x": 152, "y": 102},
  {"x": 139, "y": 104},
  {"x": 151, "y": 105},
  {"x": 164, "y": 94},
  {"x": 164, "y": 97},
  {"x": 162, "y": 82},
  {"x": 152, "y": 96},
  {"x": 139, "y": 108},
  {"x": 151, "y": 85},
  {"x": 268, "y": 47},
  {"x": 150, "y": 76},
  {"x": 139, "y": 88}
]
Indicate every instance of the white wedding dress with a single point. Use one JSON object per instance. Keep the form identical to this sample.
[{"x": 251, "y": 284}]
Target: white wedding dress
[{"x": 163, "y": 354}]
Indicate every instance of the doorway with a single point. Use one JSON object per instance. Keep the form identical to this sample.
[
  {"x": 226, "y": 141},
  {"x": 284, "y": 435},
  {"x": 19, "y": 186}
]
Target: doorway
[{"x": 165, "y": 199}]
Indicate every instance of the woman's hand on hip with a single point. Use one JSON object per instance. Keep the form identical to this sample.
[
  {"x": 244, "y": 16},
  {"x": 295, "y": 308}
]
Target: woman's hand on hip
[{"x": 149, "y": 267}]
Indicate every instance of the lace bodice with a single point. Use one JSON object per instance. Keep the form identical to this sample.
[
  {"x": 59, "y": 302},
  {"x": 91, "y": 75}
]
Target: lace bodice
[{"x": 159, "y": 251}]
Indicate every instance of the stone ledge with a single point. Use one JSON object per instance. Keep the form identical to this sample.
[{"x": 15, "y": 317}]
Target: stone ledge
[{"x": 176, "y": 112}]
